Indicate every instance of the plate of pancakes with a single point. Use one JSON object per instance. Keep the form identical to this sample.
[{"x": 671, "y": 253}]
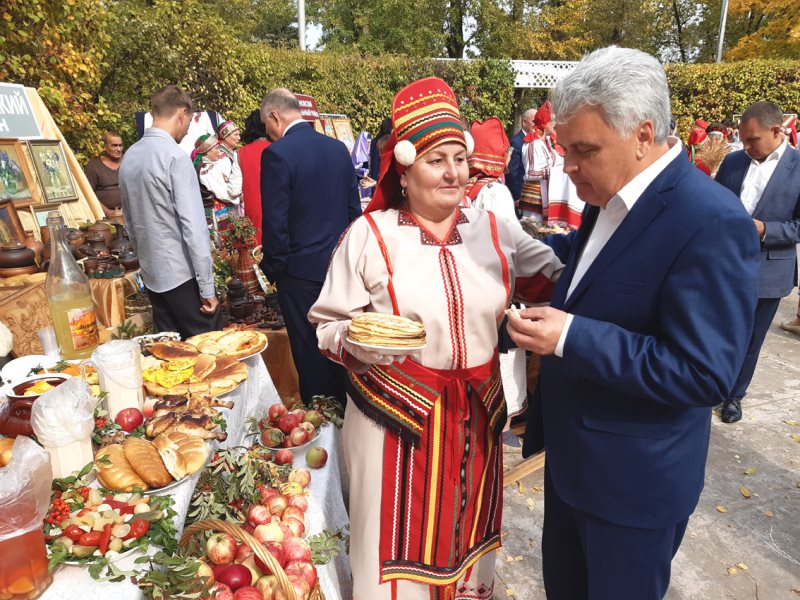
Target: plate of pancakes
[
  {"x": 230, "y": 343},
  {"x": 390, "y": 334}
]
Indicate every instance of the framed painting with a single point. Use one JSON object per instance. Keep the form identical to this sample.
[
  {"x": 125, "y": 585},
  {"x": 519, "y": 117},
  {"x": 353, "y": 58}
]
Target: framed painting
[
  {"x": 50, "y": 164},
  {"x": 40, "y": 212},
  {"x": 10, "y": 225},
  {"x": 16, "y": 179},
  {"x": 318, "y": 126},
  {"x": 327, "y": 126},
  {"x": 344, "y": 133}
]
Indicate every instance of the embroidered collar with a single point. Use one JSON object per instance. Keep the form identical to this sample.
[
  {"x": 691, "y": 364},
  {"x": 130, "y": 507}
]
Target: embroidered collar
[{"x": 426, "y": 238}]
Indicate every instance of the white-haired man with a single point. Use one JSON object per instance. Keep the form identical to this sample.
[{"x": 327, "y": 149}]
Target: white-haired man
[{"x": 637, "y": 345}]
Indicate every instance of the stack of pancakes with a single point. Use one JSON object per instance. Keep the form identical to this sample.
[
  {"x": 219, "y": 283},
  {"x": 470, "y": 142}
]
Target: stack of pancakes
[{"x": 376, "y": 329}]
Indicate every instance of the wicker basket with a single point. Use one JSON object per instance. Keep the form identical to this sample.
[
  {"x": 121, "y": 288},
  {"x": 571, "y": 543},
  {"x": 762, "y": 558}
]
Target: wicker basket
[{"x": 242, "y": 536}]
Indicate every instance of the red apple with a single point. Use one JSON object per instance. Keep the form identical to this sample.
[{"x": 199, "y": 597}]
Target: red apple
[
  {"x": 220, "y": 591},
  {"x": 298, "y": 413},
  {"x": 243, "y": 553},
  {"x": 148, "y": 407},
  {"x": 204, "y": 570},
  {"x": 301, "y": 476},
  {"x": 308, "y": 428},
  {"x": 267, "y": 493},
  {"x": 296, "y": 549},
  {"x": 268, "y": 584},
  {"x": 258, "y": 515},
  {"x": 277, "y": 504},
  {"x": 276, "y": 550},
  {"x": 298, "y": 436},
  {"x": 271, "y": 532},
  {"x": 221, "y": 549},
  {"x": 248, "y": 592},
  {"x": 303, "y": 568},
  {"x": 299, "y": 501},
  {"x": 276, "y": 411},
  {"x": 287, "y": 531},
  {"x": 295, "y": 526},
  {"x": 272, "y": 437},
  {"x": 314, "y": 417},
  {"x": 300, "y": 585},
  {"x": 235, "y": 576},
  {"x": 284, "y": 457},
  {"x": 292, "y": 512},
  {"x": 288, "y": 422},
  {"x": 248, "y": 527},
  {"x": 129, "y": 419},
  {"x": 316, "y": 457},
  {"x": 255, "y": 572}
]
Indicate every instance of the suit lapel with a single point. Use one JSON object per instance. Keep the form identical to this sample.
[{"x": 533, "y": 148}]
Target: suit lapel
[
  {"x": 738, "y": 174},
  {"x": 785, "y": 164},
  {"x": 588, "y": 220}
]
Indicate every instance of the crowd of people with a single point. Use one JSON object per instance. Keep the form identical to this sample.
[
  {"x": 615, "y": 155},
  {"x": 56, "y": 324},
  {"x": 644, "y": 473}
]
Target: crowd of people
[{"x": 649, "y": 310}]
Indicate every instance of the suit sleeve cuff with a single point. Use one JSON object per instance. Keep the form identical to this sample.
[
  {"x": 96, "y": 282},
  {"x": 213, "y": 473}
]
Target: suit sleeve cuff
[{"x": 562, "y": 340}]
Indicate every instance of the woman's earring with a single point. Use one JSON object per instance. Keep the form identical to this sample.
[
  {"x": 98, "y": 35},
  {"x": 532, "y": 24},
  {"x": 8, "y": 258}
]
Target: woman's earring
[{"x": 402, "y": 191}]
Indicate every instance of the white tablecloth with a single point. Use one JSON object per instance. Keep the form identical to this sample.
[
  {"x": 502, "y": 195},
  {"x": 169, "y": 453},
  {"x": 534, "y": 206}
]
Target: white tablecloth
[{"x": 325, "y": 509}]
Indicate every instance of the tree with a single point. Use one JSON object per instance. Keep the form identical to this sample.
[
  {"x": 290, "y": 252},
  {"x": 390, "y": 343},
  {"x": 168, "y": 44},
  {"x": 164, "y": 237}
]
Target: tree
[
  {"x": 768, "y": 28},
  {"x": 271, "y": 21}
]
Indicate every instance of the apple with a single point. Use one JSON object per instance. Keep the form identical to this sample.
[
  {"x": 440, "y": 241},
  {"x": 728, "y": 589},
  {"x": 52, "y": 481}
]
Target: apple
[
  {"x": 220, "y": 591},
  {"x": 276, "y": 411},
  {"x": 287, "y": 531},
  {"x": 266, "y": 493},
  {"x": 243, "y": 553},
  {"x": 258, "y": 514},
  {"x": 129, "y": 419},
  {"x": 300, "y": 585},
  {"x": 308, "y": 428},
  {"x": 204, "y": 570},
  {"x": 299, "y": 501},
  {"x": 292, "y": 512},
  {"x": 268, "y": 584},
  {"x": 284, "y": 457},
  {"x": 272, "y": 437},
  {"x": 295, "y": 526},
  {"x": 298, "y": 436},
  {"x": 301, "y": 476},
  {"x": 248, "y": 592},
  {"x": 271, "y": 532},
  {"x": 277, "y": 504},
  {"x": 316, "y": 457},
  {"x": 276, "y": 550},
  {"x": 255, "y": 572},
  {"x": 296, "y": 549},
  {"x": 298, "y": 413},
  {"x": 148, "y": 407},
  {"x": 303, "y": 568},
  {"x": 235, "y": 576},
  {"x": 288, "y": 422},
  {"x": 248, "y": 527},
  {"x": 314, "y": 417},
  {"x": 221, "y": 549}
]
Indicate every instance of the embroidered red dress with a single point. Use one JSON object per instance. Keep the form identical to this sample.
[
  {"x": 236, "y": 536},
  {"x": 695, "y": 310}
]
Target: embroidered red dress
[{"x": 426, "y": 493}]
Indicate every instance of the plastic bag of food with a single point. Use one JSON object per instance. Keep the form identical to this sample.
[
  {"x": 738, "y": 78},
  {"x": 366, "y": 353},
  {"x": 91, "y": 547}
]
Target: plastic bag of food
[
  {"x": 64, "y": 415},
  {"x": 24, "y": 489}
]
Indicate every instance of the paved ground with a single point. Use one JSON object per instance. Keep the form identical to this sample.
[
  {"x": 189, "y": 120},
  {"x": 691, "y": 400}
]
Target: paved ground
[{"x": 751, "y": 551}]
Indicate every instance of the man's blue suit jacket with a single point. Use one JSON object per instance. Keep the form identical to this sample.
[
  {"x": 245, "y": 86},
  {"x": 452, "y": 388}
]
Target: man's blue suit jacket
[
  {"x": 779, "y": 209},
  {"x": 309, "y": 195},
  {"x": 662, "y": 320},
  {"x": 516, "y": 169}
]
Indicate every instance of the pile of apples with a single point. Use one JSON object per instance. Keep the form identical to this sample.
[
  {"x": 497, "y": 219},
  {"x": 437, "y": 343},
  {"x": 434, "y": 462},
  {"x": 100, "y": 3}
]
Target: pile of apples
[
  {"x": 284, "y": 429},
  {"x": 278, "y": 523}
]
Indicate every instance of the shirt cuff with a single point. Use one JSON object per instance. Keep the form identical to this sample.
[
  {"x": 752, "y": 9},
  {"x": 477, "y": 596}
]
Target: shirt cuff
[{"x": 559, "y": 351}]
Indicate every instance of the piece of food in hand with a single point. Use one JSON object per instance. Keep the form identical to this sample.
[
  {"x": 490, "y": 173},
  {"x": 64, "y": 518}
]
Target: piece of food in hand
[
  {"x": 129, "y": 419},
  {"x": 378, "y": 329},
  {"x": 146, "y": 461},
  {"x": 115, "y": 472},
  {"x": 513, "y": 311}
]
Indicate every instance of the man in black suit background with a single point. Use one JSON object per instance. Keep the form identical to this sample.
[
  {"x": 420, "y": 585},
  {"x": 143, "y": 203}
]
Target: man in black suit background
[
  {"x": 309, "y": 195},
  {"x": 516, "y": 167}
]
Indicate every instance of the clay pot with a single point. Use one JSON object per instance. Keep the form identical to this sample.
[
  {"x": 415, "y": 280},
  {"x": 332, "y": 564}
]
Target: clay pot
[
  {"x": 45, "y": 233},
  {"x": 104, "y": 229},
  {"x": 76, "y": 239},
  {"x": 14, "y": 254},
  {"x": 236, "y": 290},
  {"x": 90, "y": 265},
  {"x": 33, "y": 244},
  {"x": 15, "y": 414},
  {"x": 243, "y": 267},
  {"x": 129, "y": 260},
  {"x": 98, "y": 242}
]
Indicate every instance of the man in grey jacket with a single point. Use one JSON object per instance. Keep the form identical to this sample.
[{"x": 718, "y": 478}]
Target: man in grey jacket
[{"x": 165, "y": 220}]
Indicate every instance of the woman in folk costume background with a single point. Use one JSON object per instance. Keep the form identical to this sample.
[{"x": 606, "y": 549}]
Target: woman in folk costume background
[
  {"x": 245, "y": 179},
  {"x": 229, "y": 136},
  {"x": 207, "y": 159},
  {"x": 487, "y": 163},
  {"x": 422, "y": 432},
  {"x": 697, "y": 137},
  {"x": 538, "y": 157}
]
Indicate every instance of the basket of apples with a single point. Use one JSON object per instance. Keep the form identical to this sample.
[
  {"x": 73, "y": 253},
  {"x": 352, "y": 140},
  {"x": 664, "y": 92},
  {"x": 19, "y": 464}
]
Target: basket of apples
[
  {"x": 267, "y": 557},
  {"x": 292, "y": 429}
]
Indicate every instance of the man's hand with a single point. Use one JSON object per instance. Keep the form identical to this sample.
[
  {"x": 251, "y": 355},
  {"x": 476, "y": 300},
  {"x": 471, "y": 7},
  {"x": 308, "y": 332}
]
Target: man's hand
[
  {"x": 537, "y": 329},
  {"x": 759, "y": 227},
  {"x": 208, "y": 306}
]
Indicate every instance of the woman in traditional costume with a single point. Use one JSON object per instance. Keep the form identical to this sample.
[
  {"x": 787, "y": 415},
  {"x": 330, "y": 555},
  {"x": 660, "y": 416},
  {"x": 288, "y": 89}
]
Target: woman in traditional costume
[
  {"x": 538, "y": 158},
  {"x": 422, "y": 432},
  {"x": 487, "y": 163},
  {"x": 211, "y": 170},
  {"x": 697, "y": 138},
  {"x": 245, "y": 179}
]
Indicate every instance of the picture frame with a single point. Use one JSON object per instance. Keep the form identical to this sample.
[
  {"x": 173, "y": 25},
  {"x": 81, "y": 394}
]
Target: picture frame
[
  {"x": 10, "y": 225},
  {"x": 344, "y": 133},
  {"x": 50, "y": 164},
  {"x": 16, "y": 180},
  {"x": 40, "y": 212},
  {"x": 318, "y": 126},
  {"x": 327, "y": 127}
]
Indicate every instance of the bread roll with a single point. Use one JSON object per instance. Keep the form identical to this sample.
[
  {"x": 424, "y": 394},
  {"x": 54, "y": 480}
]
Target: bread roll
[
  {"x": 114, "y": 471},
  {"x": 192, "y": 449},
  {"x": 174, "y": 461},
  {"x": 146, "y": 461}
]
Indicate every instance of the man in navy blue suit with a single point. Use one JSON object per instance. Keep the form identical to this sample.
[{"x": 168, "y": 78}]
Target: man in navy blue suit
[
  {"x": 766, "y": 176},
  {"x": 647, "y": 330},
  {"x": 515, "y": 172},
  {"x": 309, "y": 195}
]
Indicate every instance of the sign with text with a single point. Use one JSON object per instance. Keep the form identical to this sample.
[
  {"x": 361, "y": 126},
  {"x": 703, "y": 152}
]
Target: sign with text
[
  {"x": 16, "y": 115},
  {"x": 308, "y": 107}
]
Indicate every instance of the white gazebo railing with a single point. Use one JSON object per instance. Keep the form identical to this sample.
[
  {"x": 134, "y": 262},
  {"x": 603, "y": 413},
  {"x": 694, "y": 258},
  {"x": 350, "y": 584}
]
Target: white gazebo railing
[{"x": 540, "y": 73}]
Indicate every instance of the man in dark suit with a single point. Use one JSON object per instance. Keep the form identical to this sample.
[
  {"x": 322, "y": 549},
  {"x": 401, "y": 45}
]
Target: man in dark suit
[
  {"x": 515, "y": 172},
  {"x": 647, "y": 329},
  {"x": 766, "y": 176},
  {"x": 309, "y": 195}
]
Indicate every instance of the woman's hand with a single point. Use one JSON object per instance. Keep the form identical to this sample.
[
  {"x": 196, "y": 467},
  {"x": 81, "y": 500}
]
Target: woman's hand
[{"x": 364, "y": 358}]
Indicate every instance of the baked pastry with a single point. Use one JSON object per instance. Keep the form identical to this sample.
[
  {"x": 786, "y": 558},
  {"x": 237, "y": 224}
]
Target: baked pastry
[
  {"x": 5, "y": 451},
  {"x": 174, "y": 462},
  {"x": 146, "y": 461},
  {"x": 192, "y": 450},
  {"x": 203, "y": 367},
  {"x": 378, "y": 329},
  {"x": 115, "y": 472},
  {"x": 231, "y": 343},
  {"x": 203, "y": 374},
  {"x": 172, "y": 350}
]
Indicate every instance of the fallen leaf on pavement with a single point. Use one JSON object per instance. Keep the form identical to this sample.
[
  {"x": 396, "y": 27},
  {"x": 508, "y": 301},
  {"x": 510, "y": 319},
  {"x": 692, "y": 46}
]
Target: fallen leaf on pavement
[
  {"x": 744, "y": 491},
  {"x": 750, "y": 471},
  {"x": 742, "y": 566},
  {"x": 509, "y": 592},
  {"x": 509, "y": 559},
  {"x": 732, "y": 571},
  {"x": 520, "y": 488},
  {"x": 769, "y": 514},
  {"x": 791, "y": 422},
  {"x": 721, "y": 509},
  {"x": 796, "y": 438},
  {"x": 531, "y": 503},
  {"x": 519, "y": 558}
]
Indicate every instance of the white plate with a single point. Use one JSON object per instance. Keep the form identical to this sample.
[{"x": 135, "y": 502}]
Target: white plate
[
  {"x": 389, "y": 350},
  {"x": 120, "y": 556},
  {"x": 259, "y": 351},
  {"x": 233, "y": 389},
  {"x": 311, "y": 441},
  {"x": 169, "y": 486},
  {"x": 18, "y": 369}
]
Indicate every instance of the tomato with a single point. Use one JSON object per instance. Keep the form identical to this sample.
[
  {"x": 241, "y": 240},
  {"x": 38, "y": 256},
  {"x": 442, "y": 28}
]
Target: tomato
[
  {"x": 74, "y": 533},
  {"x": 90, "y": 539},
  {"x": 123, "y": 507},
  {"x": 129, "y": 419},
  {"x": 139, "y": 527}
]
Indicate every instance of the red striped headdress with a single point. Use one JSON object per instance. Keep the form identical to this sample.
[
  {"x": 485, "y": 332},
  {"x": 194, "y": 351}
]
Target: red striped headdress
[
  {"x": 491, "y": 143},
  {"x": 424, "y": 115}
]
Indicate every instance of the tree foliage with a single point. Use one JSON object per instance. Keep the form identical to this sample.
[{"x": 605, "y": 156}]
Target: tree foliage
[{"x": 764, "y": 29}]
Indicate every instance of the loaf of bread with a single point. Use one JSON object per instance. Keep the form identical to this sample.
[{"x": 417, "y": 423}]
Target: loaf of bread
[
  {"x": 114, "y": 472},
  {"x": 192, "y": 449},
  {"x": 146, "y": 461}
]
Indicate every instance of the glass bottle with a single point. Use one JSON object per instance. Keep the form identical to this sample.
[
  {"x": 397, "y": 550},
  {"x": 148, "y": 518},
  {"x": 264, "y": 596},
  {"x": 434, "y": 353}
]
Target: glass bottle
[{"x": 70, "y": 297}]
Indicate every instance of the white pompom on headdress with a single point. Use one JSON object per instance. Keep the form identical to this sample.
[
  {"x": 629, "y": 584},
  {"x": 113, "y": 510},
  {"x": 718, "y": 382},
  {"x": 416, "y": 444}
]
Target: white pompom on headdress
[{"x": 405, "y": 153}]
